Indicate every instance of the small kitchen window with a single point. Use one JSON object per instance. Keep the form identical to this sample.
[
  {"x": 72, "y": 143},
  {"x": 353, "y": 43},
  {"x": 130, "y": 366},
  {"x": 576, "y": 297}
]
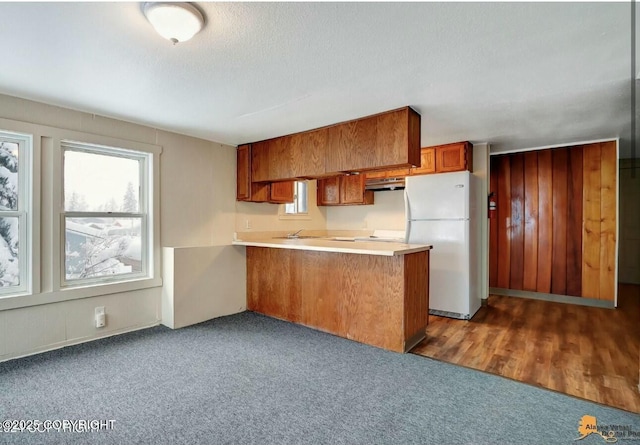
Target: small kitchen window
[{"x": 299, "y": 208}]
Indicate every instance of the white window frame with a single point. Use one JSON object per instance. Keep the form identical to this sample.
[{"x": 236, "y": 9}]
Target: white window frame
[
  {"x": 23, "y": 213},
  {"x": 145, "y": 213}
]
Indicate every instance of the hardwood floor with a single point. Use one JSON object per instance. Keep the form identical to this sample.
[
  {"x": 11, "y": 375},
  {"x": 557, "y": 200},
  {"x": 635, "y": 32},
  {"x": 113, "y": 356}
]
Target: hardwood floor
[{"x": 587, "y": 352}]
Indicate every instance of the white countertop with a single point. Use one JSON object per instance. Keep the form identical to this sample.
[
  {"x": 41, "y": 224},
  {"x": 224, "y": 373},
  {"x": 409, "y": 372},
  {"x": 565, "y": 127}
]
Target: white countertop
[{"x": 330, "y": 244}]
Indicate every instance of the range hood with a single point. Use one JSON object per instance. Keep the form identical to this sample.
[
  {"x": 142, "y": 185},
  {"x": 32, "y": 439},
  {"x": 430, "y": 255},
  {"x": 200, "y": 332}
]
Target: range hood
[{"x": 380, "y": 184}]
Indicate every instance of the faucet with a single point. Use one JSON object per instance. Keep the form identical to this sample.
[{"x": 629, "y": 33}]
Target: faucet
[{"x": 294, "y": 234}]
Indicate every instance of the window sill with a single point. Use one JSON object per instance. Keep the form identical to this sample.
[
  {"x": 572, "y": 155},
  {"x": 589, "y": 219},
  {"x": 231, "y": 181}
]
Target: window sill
[{"x": 74, "y": 293}]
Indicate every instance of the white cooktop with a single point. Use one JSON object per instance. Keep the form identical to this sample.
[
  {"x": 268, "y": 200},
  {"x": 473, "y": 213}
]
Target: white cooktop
[{"x": 389, "y": 236}]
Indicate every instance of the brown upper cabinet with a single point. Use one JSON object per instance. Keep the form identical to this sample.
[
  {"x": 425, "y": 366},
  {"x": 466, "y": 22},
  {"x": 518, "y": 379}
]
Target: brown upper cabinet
[
  {"x": 427, "y": 162},
  {"x": 243, "y": 172},
  {"x": 397, "y": 173},
  {"x": 387, "y": 139},
  {"x": 248, "y": 190},
  {"x": 438, "y": 159},
  {"x": 352, "y": 146},
  {"x": 344, "y": 190},
  {"x": 281, "y": 192},
  {"x": 454, "y": 157},
  {"x": 295, "y": 156}
]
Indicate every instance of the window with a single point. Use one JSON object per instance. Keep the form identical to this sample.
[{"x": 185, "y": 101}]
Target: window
[
  {"x": 299, "y": 204},
  {"x": 15, "y": 150},
  {"x": 106, "y": 214}
]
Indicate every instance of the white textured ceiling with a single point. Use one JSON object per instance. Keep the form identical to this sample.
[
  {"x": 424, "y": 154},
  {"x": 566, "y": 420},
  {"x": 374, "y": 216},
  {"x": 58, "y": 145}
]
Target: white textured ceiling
[{"x": 516, "y": 75}]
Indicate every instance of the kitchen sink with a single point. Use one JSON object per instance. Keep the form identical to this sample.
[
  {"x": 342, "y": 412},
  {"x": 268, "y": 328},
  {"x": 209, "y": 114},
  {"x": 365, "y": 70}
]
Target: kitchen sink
[{"x": 297, "y": 237}]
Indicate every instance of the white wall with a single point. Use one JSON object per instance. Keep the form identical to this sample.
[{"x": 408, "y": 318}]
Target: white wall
[
  {"x": 387, "y": 212},
  {"x": 481, "y": 170},
  {"x": 197, "y": 191},
  {"x": 202, "y": 283},
  {"x": 197, "y": 209}
]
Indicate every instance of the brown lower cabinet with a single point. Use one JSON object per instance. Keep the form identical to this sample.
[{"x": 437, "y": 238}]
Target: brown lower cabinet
[
  {"x": 344, "y": 190},
  {"x": 379, "y": 300}
]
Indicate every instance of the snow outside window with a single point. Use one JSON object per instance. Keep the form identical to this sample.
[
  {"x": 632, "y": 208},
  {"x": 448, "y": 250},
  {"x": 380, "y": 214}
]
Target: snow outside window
[
  {"x": 15, "y": 150},
  {"x": 106, "y": 214},
  {"x": 299, "y": 204}
]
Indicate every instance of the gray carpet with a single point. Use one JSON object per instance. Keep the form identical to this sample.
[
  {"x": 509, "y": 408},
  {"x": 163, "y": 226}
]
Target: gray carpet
[{"x": 249, "y": 379}]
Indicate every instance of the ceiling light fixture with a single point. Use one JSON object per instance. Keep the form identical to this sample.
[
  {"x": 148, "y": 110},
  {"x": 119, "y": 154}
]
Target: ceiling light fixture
[{"x": 177, "y": 22}]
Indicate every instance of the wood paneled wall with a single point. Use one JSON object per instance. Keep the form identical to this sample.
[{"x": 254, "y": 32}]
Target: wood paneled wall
[{"x": 554, "y": 229}]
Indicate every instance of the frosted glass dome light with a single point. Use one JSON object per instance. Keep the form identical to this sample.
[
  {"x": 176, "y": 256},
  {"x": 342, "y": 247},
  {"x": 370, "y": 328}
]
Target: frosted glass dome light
[{"x": 177, "y": 22}]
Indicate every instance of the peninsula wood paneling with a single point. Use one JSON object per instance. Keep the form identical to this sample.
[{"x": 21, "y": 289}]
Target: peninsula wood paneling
[
  {"x": 416, "y": 277},
  {"x": 554, "y": 230},
  {"x": 377, "y": 300},
  {"x": 268, "y": 298}
]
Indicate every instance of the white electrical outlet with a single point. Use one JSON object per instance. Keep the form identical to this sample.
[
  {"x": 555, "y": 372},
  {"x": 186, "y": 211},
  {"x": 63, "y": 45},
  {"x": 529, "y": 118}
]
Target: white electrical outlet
[
  {"x": 247, "y": 224},
  {"x": 101, "y": 318}
]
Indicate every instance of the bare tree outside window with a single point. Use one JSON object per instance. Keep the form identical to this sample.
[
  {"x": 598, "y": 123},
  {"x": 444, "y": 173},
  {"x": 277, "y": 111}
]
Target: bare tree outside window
[
  {"x": 11, "y": 214},
  {"x": 104, "y": 219}
]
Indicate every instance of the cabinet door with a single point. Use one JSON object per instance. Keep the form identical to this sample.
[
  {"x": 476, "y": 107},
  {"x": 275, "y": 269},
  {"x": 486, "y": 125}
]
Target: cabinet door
[
  {"x": 246, "y": 190},
  {"x": 260, "y": 192},
  {"x": 352, "y": 190},
  {"x": 329, "y": 191},
  {"x": 398, "y": 137},
  {"x": 450, "y": 158},
  {"x": 281, "y": 192},
  {"x": 351, "y": 146},
  {"x": 307, "y": 153},
  {"x": 260, "y": 161},
  {"x": 280, "y": 158},
  {"x": 427, "y": 162},
  {"x": 243, "y": 175}
]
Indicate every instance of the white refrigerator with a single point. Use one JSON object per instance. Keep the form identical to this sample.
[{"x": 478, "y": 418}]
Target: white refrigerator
[{"x": 442, "y": 210}]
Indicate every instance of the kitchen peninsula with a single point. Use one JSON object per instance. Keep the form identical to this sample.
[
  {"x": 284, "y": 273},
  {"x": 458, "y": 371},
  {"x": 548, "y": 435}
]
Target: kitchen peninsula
[{"x": 375, "y": 293}]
